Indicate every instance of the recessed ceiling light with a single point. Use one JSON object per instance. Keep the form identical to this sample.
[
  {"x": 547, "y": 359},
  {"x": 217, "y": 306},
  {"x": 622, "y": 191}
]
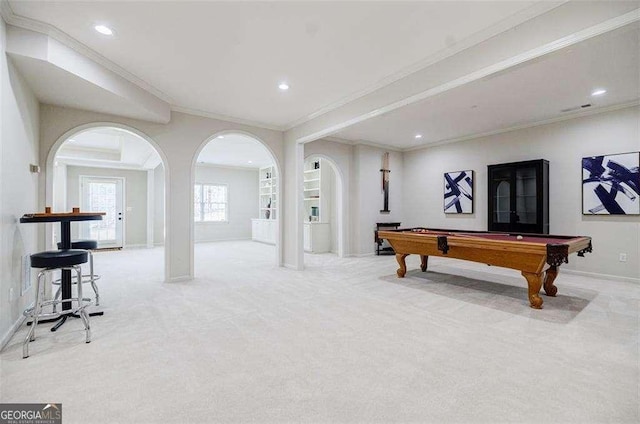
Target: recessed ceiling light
[
  {"x": 104, "y": 30},
  {"x": 250, "y": 161},
  {"x": 598, "y": 92},
  {"x": 283, "y": 86},
  {"x": 418, "y": 135}
]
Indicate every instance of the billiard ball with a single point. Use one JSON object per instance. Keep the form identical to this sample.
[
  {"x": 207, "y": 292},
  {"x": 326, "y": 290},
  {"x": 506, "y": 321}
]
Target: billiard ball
[{"x": 519, "y": 237}]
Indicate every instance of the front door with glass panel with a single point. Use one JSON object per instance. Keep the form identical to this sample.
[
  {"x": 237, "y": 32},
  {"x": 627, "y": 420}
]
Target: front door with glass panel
[{"x": 102, "y": 194}]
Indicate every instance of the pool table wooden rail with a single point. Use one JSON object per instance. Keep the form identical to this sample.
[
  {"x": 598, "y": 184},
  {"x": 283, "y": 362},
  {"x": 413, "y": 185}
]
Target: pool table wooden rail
[{"x": 538, "y": 262}]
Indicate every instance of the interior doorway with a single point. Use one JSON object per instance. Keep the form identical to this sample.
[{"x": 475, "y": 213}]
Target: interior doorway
[
  {"x": 115, "y": 169},
  {"x": 236, "y": 199},
  {"x": 103, "y": 194},
  {"x": 323, "y": 203}
]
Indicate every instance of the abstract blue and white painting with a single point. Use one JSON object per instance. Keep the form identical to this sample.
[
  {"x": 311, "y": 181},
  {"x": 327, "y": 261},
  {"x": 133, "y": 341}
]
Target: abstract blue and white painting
[
  {"x": 611, "y": 184},
  {"x": 458, "y": 192}
]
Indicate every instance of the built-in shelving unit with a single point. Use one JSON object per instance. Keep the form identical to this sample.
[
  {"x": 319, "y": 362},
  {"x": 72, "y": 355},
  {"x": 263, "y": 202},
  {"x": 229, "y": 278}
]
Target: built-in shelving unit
[
  {"x": 268, "y": 200},
  {"x": 313, "y": 190},
  {"x": 317, "y": 228},
  {"x": 264, "y": 227}
]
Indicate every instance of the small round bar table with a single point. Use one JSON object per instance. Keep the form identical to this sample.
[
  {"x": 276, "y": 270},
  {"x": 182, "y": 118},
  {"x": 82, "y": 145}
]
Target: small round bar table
[{"x": 65, "y": 220}]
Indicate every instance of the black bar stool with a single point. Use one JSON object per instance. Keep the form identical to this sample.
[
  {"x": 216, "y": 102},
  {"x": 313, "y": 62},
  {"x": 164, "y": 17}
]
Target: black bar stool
[
  {"x": 51, "y": 261},
  {"x": 87, "y": 245}
]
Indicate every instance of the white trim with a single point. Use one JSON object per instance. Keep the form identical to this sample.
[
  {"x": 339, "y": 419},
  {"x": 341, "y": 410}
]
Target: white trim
[
  {"x": 603, "y": 276},
  {"x": 178, "y": 279},
  {"x": 226, "y": 118},
  {"x": 99, "y": 163},
  {"x": 134, "y": 246},
  {"x": 225, "y": 239},
  {"x": 567, "y": 117},
  {"x": 6, "y": 338},
  {"x": 151, "y": 191},
  {"x": 232, "y": 167}
]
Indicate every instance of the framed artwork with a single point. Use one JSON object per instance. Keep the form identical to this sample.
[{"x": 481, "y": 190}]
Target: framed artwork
[
  {"x": 611, "y": 184},
  {"x": 458, "y": 192}
]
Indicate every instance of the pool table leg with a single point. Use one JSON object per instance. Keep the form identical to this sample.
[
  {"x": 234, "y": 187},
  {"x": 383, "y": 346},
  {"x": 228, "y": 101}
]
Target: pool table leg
[
  {"x": 549, "y": 278},
  {"x": 423, "y": 262},
  {"x": 535, "y": 284},
  {"x": 403, "y": 265}
]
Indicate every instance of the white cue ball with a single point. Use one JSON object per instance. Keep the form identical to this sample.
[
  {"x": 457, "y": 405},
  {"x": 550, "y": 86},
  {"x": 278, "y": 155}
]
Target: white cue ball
[{"x": 519, "y": 237}]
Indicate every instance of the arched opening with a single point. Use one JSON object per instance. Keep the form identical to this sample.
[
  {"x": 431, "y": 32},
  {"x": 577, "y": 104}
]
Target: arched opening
[
  {"x": 112, "y": 168},
  {"x": 236, "y": 204},
  {"x": 323, "y": 202}
]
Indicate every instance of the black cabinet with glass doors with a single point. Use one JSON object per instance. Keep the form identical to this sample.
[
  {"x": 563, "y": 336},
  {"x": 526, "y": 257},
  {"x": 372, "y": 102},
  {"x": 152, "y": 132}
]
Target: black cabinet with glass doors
[{"x": 519, "y": 197}]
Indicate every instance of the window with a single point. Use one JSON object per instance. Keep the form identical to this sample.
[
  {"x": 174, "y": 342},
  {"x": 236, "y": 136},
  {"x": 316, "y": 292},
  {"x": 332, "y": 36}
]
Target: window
[{"x": 210, "y": 203}]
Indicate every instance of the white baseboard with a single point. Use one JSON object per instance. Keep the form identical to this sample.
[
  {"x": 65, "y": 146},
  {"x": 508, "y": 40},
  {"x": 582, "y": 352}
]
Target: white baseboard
[
  {"x": 178, "y": 279},
  {"x": 9, "y": 334},
  {"x": 136, "y": 246},
  {"x": 226, "y": 239},
  {"x": 602, "y": 276}
]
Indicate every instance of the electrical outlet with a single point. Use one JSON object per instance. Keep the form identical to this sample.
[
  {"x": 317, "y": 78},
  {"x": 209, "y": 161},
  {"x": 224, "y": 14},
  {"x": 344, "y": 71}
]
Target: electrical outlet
[
  {"x": 11, "y": 295},
  {"x": 623, "y": 257}
]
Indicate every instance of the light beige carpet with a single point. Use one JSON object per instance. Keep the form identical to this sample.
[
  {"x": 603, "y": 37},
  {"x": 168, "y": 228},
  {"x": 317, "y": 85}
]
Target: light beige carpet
[{"x": 343, "y": 341}]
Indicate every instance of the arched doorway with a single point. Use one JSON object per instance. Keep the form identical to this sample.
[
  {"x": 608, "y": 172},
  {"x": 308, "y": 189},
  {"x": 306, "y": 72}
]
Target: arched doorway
[
  {"x": 324, "y": 206},
  {"x": 236, "y": 193},
  {"x": 116, "y": 169}
]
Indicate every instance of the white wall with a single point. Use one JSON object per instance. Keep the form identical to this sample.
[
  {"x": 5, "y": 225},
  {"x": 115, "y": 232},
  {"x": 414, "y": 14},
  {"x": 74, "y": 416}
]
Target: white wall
[
  {"x": 563, "y": 144},
  {"x": 243, "y": 203},
  {"x": 178, "y": 143},
  {"x": 370, "y": 197},
  {"x": 135, "y": 198},
  {"x": 158, "y": 207},
  {"x": 19, "y": 132}
]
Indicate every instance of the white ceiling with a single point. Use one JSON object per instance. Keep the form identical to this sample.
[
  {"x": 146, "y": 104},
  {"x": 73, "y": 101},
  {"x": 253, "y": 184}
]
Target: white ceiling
[
  {"x": 535, "y": 91},
  {"x": 359, "y": 71},
  {"x": 235, "y": 150},
  {"x": 108, "y": 148},
  {"x": 227, "y": 58}
]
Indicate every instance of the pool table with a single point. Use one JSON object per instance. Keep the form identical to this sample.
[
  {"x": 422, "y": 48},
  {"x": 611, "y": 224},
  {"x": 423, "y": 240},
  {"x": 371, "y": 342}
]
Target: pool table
[{"x": 536, "y": 256}]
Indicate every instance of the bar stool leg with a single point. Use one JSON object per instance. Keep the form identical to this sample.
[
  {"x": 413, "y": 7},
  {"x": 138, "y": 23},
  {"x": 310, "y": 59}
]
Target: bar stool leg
[
  {"x": 92, "y": 280},
  {"x": 81, "y": 305},
  {"x": 31, "y": 335}
]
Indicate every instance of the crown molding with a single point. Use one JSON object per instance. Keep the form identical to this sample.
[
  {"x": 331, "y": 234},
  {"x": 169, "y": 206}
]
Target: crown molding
[
  {"x": 97, "y": 163},
  {"x": 361, "y": 143},
  {"x": 531, "y": 12},
  {"x": 230, "y": 167},
  {"x": 43, "y": 28},
  {"x": 219, "y": 117},
  {"x": 564, "y": 117}
]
